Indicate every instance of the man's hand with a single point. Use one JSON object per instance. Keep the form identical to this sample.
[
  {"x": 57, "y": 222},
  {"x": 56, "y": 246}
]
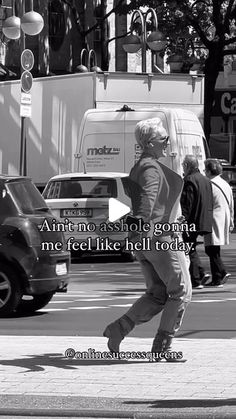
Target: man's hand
[{"x": 181, "y": 219}]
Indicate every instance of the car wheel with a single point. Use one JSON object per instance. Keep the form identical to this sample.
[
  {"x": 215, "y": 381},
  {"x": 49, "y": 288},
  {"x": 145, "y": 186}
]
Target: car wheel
[
  {"x": 129, "y": 256},
  {"x": 10, "y": 291},
  {"x": 34, "y": 302}
]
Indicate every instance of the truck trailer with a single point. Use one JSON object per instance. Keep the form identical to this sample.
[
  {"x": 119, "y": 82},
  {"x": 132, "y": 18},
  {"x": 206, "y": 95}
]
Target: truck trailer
[{"x": 58, "y": 105}]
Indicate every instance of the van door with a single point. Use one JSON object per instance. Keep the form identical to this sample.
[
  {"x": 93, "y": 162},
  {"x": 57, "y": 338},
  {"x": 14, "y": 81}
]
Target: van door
[
  {"x": 101, "y": 142},
  {"x": 190, "y": 140}
]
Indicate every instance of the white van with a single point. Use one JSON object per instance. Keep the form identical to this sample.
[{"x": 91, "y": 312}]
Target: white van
[{"x": 106, "y": 140}]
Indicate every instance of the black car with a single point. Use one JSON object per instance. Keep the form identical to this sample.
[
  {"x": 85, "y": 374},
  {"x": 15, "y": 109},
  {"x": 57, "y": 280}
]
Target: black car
[{"x": 34, "y": 263}]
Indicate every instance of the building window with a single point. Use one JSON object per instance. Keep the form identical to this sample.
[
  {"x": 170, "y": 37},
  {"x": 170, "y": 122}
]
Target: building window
[{"x": 57, "y": 24}]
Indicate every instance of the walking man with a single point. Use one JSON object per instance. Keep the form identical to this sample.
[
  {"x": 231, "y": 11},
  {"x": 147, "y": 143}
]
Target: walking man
[
  {"x": 155, "y": 196},
  {"x": 197, "y": 208},
  {"x": 223, "y": 222}
]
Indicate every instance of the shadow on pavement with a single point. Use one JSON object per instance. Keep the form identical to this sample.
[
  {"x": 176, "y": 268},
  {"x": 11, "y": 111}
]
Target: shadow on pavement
[
  {"x": 17, "y": 315},
  {"x": 173, "y": 404},
  {"x": 193, "y": 332},
  {"x": 38, "y": 363}
]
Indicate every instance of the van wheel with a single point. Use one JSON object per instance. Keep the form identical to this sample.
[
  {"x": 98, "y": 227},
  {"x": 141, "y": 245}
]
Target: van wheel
[
  {"x": 34, "y": 303},
  {"x": 10, "y": 291}
]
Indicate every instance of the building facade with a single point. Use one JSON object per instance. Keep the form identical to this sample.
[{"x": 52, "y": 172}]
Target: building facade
[{"x": 57, "y": 49}]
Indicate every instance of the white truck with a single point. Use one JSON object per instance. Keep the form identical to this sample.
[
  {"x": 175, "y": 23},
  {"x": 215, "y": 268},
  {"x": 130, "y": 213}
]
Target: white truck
[{"x": 60, "y": 102}]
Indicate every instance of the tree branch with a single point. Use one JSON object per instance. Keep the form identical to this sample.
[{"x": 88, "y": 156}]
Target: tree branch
[
  {"x": 216, "y": 14},
  {"x": 194, "y": 23},
  {"x": 230, "y": 40},
  {"x": 75, "y": 14},
  {"x": 119, "y": 37},
  {"x": 229, "y": 52},
  {"x": 97, "y": 24},
  {"x": 228, "y": 12}
]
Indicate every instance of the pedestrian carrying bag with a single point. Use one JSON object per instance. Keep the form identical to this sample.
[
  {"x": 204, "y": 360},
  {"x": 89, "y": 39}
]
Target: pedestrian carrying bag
[{"x": 222, "y": 192}]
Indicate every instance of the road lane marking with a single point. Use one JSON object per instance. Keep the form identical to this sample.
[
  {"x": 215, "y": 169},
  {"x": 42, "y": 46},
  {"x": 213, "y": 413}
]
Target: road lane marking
[
  {"x": 87, "y": 308},
  {"x": 79, "y": 295},
  {"x": 59, "y": 302},
  {"x": 114, "y": 274},
  {"x": 45, "y": 309},
  {"x": 208, "y": 301},
  {"x": 95, "y": 299},
  {"x": 90, "y": 272},
  {"x": 76, "y": 299},
  {"x": 53, "y": 309}
]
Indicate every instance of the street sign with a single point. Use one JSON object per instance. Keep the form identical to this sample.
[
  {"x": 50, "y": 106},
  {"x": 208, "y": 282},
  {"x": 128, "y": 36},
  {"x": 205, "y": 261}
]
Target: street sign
[
  {"x": 25, "y": 98},
  {"x": 25, "y": 111},
  {"x": 26, "y": 81},
  {"x": 27, "y": 59}
]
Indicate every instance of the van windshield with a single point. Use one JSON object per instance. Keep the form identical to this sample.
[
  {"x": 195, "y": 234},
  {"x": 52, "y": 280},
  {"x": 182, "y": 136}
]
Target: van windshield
[
  {"x": 26, "y": 196},
  {"x": 81, "y": 188}
]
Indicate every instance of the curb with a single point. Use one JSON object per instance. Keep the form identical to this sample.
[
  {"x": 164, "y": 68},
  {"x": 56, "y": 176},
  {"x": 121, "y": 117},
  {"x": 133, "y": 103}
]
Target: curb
[
  {"x": 60, "y": 413},
  {"x": 106, "y": 414}
]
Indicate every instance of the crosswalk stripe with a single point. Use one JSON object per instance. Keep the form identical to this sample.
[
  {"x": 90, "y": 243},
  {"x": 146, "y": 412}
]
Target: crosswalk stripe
[
  {"x": 95, "y": 299},
  {"x": 88, "y": 308},
  {"x": 76, "y": 300},
  {"x": 100, "y": 297},
  {"x": 75, "y": 296},
  {"x": 115, "y": 305},
  {"x": 59, "y": 302},
  {"x": 52, "y": 309},
  {"x": 208, "y": 301},
  {"x": 90, "y": 272}
]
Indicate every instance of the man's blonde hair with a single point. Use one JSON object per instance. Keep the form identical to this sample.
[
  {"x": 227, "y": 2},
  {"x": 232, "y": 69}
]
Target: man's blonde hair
[{"x": 149, "y": 130}]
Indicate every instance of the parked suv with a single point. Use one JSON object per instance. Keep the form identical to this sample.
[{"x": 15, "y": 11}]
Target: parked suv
[{"x": 29, "y": 274}]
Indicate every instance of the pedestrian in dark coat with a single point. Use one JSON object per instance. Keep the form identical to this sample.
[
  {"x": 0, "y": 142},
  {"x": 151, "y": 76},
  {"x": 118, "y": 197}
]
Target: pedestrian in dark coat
[{"x": 197, "y": 208}]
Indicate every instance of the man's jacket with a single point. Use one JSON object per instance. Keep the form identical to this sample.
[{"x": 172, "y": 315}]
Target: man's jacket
[
  {"x": 155, "y": 191},
  {"x": 197, "y": 202}
]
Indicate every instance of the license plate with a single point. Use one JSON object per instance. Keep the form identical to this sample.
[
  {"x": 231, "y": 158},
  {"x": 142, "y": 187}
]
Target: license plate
[
  {"x": 78, "y": 212},
  {"x": 61, "y": 269}
]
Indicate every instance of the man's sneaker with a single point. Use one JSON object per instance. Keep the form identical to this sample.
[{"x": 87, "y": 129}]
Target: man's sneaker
[
  {"x": 197, "y": 287},
  {"x": 212, "y": 284},
  {"x": 225, "y": 278},
  {"x": 205, "y": 278}
]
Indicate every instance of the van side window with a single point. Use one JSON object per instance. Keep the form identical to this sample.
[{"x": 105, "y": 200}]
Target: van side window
[{"x": 206, "y": 148}]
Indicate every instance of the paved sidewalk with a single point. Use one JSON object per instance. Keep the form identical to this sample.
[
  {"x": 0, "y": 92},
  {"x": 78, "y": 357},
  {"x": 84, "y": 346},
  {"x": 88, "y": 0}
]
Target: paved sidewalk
[{"x": 35, "y": 369}]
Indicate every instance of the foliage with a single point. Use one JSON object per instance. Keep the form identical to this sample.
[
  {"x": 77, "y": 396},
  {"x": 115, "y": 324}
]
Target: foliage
[
  {"x": 211, "y": 24},
  {"x": 207, "y": 22}
]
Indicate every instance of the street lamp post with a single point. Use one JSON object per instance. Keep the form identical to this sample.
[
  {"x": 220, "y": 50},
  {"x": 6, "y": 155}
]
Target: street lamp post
[
  {"x": 91, "y": 64},
  {"x": 156, "y": 40},
  {"x": 31, "y": 23}
]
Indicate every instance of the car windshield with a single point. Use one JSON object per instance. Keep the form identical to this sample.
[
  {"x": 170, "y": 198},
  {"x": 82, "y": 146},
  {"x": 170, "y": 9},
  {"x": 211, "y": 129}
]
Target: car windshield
[
  {"x": 27, "y": 197},
  {"x": 81, "y": 188}
]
